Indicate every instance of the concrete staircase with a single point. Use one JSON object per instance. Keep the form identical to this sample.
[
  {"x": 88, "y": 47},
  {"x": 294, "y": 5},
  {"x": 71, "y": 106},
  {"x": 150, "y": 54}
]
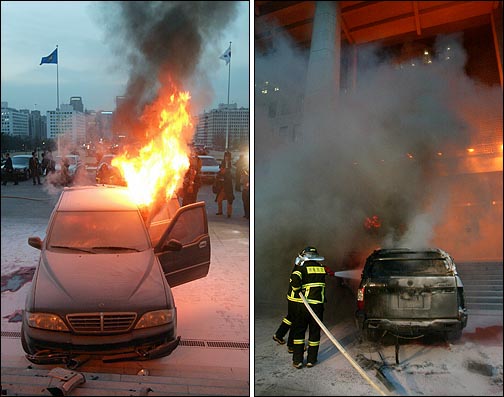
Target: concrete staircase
[{"x": 482, "y": 285}]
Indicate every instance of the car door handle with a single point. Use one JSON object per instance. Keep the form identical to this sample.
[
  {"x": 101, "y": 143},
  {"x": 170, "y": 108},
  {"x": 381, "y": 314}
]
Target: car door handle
[{"x": 202, "y": 244}]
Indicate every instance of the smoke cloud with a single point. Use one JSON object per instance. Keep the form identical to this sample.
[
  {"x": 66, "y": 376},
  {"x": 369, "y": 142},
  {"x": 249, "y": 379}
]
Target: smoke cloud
[
  {"x": 162, "y": 43},
  {"x": 373, "y": 153}
]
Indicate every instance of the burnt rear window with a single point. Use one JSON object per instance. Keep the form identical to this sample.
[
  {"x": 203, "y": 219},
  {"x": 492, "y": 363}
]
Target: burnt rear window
[{"x": 409, "y": 267}]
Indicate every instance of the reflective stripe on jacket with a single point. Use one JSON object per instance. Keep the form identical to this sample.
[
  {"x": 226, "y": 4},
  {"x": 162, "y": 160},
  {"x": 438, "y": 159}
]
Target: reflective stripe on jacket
[{"x": 309, "y": 278}]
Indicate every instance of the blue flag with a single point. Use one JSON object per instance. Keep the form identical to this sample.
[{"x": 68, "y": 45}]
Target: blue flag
[
  {"x": 227, "y": 55},
  {"x": 53, "y": 58}
]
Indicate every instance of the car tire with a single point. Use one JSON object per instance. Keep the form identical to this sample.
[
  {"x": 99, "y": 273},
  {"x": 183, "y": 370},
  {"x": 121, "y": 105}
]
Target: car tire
[
  {"x": 452, "y": 336},
  {"x": 371, "y": 334}
]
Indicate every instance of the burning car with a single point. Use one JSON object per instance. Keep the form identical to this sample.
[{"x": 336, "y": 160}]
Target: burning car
[
  {"x": 103, "y": 282},
  {"x": 410, "y": 293}
]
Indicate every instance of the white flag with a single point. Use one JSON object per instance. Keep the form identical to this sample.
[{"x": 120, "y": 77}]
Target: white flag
[{"x": 227, "y": 55}]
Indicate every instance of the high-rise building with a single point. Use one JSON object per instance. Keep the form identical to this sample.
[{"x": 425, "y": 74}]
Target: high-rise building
[
  {"x": 37, "y": 130},
  {"x": 104, "y": 124},
  {"x": 212, "y": 127},
  {"x": 67, "y": 123},
  {"x": 120, "y": 99},
  {"x": 76, "y": 103},
  {"x": 14, "y": 122}
]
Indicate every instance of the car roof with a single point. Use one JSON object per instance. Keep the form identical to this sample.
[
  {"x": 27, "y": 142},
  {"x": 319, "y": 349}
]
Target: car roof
[
  {"x": 96, "y": 198},
  {"x": 22, "y": 156},
  {"x": 394, "y": 253},
  {"x": 201, "y": 156}
]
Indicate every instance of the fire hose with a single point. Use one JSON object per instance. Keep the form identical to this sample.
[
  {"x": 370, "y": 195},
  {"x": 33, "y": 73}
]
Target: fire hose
[{"x": 340, "y": 348}]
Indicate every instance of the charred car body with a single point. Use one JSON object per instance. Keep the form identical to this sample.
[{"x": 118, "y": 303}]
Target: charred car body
[
  {"x": 410, "y": 293},
  {"x": 103, "y": 282}
]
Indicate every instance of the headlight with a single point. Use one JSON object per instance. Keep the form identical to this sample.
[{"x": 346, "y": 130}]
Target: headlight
[
  {"x": 48, "y": 321},
  {"x": 158, "y": 317}
]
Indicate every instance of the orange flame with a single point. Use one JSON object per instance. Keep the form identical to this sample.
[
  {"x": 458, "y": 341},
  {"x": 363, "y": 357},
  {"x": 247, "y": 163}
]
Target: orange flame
[{"x": 162, "y": 162}]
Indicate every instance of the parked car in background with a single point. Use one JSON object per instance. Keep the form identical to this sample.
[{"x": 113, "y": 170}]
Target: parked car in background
[
  {"x": 106, "y": 173},
  {"x": 73, "y": 162},
  {"x": 102, "y": 286},
  {"x": 21, "y": 165},
  {"x": 209, "y": 168},
  {"x": 409, "y": 292}
]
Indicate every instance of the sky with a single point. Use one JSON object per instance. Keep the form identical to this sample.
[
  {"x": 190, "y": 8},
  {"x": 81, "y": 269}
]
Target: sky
[{"x": 92, "y": 66}]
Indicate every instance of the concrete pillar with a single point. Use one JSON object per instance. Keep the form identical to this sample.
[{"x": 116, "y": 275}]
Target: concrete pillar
[
  {"x": 496, "y": 20},
  {"x": 323, "y": 75}
]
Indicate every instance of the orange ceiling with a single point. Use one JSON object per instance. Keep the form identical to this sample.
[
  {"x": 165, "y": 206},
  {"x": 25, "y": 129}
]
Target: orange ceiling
[{"x": 389, "y": 22}]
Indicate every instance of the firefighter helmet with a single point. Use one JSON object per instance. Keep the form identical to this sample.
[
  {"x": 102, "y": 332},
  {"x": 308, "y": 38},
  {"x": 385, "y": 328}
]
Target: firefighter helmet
[{"x": 308, "y": 254}]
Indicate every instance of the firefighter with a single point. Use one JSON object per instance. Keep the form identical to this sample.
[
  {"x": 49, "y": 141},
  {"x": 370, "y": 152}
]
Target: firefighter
[
  {"x": 286, "y": 323},
  {"x": 307, "y": 277}
]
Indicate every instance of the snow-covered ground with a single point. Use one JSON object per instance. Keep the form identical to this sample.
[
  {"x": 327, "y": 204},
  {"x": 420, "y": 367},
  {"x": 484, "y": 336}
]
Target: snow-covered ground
[{"x": 471, "y": 366}]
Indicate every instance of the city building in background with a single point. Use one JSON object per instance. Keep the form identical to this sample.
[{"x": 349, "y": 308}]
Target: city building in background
[
  {"x": 15, "y": 122},
  {"x": 38, "y": 130},
  {"x": 66, "y": 124},
  {"x": 76, "y": 103},
  {"x": 211, "y": 127}
]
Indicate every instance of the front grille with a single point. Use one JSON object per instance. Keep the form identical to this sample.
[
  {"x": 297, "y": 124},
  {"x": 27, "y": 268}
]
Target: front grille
[{"x": 101, "y": 322}]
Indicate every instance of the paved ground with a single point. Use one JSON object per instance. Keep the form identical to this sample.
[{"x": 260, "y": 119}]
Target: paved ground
[{"x": 471, "y": 366}]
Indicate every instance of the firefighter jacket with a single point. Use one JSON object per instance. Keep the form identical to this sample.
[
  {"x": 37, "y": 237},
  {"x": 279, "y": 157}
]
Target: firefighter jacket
[{"x": 310, "y": 280}]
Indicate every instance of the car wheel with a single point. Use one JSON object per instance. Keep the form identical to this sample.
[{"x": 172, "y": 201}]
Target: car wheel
[
  {"x": 453, "y": 336},
  {"x": 372, "y": 334}
]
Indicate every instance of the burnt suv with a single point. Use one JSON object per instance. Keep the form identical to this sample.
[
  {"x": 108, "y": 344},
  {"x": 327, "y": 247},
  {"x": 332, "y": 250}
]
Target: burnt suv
[
  {"x": 410, "y": 293},
  {"x": 103, "y": 283}
]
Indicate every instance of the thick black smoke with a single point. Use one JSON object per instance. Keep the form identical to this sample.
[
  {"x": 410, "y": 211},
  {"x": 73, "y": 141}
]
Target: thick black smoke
[
  {"x": 374, "y": 153},
  {"x": 162, "y": 42}
]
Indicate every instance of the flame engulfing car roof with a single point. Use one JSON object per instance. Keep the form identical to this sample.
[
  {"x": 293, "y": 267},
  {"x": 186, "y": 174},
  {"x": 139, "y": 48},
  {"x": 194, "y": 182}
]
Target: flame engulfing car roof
[{"x": 96, "y": 198}]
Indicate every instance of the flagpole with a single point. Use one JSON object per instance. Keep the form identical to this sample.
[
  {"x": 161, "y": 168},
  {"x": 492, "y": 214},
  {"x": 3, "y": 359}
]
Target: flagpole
[
  {"x": 227, "y": 113},
  {"x": 57, "y": 99},
  {"x": 57, "y": 79}
]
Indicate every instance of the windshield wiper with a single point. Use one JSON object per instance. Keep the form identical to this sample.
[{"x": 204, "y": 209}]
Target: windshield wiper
[
  {"x": 111, "y": 247},
  {"x": 90, "y": 251}
]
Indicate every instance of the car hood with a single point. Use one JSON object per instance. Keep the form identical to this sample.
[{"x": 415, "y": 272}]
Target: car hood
[{"x": 70, "y": 283}]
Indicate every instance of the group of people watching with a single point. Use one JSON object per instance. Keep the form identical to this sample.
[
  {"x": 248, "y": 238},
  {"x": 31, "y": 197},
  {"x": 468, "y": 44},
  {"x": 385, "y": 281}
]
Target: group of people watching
[
  {"x": 37, "y": 169},
  {"x": 223, "y": 184}
]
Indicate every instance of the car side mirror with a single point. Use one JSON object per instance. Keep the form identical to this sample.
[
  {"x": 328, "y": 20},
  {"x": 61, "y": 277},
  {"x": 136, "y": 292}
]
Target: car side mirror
[
  {"x": 35, "y": 242},
  {"x": 173, "y": 245}
]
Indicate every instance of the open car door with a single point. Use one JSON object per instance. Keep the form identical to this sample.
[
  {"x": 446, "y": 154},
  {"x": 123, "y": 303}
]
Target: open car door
[{"x": 183, "y": 244}]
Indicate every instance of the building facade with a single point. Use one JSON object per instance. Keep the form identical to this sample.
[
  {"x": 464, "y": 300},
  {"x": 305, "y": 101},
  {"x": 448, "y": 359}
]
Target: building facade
[
  {"x": 37, "y": 125},
  {"x": 67, "y": 124},
  {"x": 213, "y": 126},
  {"x": 15, "y": 122},
  {"x": 76, "y": 103}
]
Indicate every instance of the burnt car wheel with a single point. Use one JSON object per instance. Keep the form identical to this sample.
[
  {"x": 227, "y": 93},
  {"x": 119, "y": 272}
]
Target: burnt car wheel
[
  {"x": 372, "y": 334},
  {"x": 453, "y": 336}
]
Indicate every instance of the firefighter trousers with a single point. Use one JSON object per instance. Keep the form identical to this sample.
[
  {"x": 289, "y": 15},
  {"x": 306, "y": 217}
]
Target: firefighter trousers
[
  {"x": 303, "y": 320},
  {"x": 286, "y": 324}
]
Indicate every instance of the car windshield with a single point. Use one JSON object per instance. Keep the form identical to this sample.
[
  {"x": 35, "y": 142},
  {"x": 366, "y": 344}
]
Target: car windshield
[
  {"x": 23, "y": 161},
  {"x": 98, "y": 231},
  {"x": 409, "y": 267},
  {"x": 207, "y": 161}
]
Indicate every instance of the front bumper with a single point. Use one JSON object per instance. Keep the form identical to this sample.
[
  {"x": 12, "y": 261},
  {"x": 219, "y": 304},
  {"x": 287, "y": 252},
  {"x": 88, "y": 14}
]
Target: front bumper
[{"x": 139, "y": 344}]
